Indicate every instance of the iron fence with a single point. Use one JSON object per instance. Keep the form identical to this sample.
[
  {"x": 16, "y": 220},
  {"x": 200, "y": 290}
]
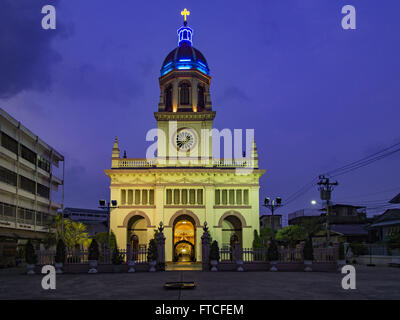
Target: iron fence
[{"x": 79, "y": 256}]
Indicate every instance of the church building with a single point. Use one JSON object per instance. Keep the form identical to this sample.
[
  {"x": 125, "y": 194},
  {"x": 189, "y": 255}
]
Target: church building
[{"x": 182, "y": 185}]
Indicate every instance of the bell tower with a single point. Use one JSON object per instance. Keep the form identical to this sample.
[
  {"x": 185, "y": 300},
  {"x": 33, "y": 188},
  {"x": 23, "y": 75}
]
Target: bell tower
[{"x": 185, "y": 111}]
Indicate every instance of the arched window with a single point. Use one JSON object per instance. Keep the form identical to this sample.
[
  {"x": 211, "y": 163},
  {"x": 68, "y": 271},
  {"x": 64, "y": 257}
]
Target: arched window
[
  {"x": 168, "y": 98},
  {"x": 200, "y": 102},
  {"x": 184, "y": 93}
]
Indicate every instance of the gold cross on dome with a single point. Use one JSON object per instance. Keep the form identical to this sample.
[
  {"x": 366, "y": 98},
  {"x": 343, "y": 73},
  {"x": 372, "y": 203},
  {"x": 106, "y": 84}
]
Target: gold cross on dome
[{"x": 185, "y": 13}]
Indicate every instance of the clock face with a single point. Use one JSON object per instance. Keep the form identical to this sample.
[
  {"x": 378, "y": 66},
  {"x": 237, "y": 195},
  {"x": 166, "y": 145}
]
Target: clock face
[{"x": 185, "y": 140}]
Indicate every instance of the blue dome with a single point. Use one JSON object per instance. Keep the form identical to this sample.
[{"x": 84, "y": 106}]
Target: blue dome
[{"x": 185, "y": 57}]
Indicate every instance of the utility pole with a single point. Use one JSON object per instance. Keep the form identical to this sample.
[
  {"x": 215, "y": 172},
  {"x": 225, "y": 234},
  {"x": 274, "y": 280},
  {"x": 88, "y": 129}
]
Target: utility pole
[
  {"x": 325, "y": 188},
  {"x": 271, "y": 205}
]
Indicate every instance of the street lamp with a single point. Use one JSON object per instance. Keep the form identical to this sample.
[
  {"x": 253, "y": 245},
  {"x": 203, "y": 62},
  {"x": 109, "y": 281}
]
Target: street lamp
[
  {"x": 106, "y": 206},
  {"x": 272, "y": 205}
]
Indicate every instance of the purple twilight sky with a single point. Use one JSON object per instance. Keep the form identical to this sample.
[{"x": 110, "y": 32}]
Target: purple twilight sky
[{"x": 317, "y": 96}]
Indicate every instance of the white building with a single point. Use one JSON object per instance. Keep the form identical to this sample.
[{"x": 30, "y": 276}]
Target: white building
[{"x": 27, "y": 183}]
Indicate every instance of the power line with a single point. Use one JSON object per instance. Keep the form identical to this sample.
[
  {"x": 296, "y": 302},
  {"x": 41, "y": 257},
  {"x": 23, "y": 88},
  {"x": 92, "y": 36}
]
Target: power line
[
  {"x": 364, "y": 161},
  {"x": 301, "y": 191},
  {"x": 374, "y": 193},
  {"x": 346, "y": 169}
]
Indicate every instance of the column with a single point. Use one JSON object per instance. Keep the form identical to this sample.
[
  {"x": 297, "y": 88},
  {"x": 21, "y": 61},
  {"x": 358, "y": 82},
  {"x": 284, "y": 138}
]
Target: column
[
  {"x": 194, "y": 83},
  {"x": 175, "y": 95}
]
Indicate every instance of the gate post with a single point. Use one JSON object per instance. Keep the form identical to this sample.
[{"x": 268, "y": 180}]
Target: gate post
[
  {"x": 205, "y": 248},
  {"x": 161, "y": 248},
  {"x": 239, "y": 256},
  {"x": 129, "y": 258}
]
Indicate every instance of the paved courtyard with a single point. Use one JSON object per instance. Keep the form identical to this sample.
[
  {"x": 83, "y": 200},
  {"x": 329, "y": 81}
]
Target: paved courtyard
[{"x": 372, "y": 283}]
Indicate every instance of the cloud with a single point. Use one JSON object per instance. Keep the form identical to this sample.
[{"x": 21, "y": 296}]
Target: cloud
[
  {"x": 26, "y": 53},
  {"x": 236, "y": 94},
  {"x": 94, "y": 82}
]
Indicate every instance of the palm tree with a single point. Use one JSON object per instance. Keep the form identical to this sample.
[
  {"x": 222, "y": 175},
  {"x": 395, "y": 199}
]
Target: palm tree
[{"x": 75, "y": 234}]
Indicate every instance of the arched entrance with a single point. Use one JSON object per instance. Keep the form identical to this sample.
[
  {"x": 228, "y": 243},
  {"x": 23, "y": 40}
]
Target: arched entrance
[
  {"x": 184, "y": 243},
  {"x": 137, "y": 232},
  {"x": 231, "y": 232}
]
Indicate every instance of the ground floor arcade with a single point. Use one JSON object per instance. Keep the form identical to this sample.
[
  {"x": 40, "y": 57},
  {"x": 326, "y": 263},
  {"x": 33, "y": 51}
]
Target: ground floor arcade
[{"x": 183, "y": 231}]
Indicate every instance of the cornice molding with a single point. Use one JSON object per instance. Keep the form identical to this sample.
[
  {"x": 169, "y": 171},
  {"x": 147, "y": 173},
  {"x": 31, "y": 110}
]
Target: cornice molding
[{"x": 185, "y": 116}]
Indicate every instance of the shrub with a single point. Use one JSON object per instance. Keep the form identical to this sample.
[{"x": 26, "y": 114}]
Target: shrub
[
  {"x": 393, "y": 241},
  {"x": 257, "y": 240},
  {"x": 152, "y": 253},
  {"x": 358, "y": 249},
  {"x": 272, "y": 252},
  {"x": 30, "y": 255},
  {"x": 93, "y": 250},
  {"x": 308, "y": 250},
  {"x": 117, "y": 257},
  {"x": 60, "y": 252},
  {"x": 341, "y": 251},
  {"x": 214, "y": 251},
  {"x": 113, "y": 241}
]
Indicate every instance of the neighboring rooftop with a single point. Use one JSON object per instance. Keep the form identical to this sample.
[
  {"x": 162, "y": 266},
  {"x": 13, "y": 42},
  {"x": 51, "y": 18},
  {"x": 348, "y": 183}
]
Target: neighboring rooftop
[
  {"x": 389, "y": 217},
  {"x": 396, "y": 199}
]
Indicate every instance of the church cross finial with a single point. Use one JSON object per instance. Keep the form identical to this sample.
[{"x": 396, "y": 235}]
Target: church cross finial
[{"x": 185, "y": 13}]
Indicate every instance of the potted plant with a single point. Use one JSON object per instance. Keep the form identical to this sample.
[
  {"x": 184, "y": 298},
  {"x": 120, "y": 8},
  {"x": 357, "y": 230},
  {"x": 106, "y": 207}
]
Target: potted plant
[
  {"x": 152, "y": 255},
  {"x": 273, "y": 255},
  {"x": 60, "y": 256},
  {"x": 131, "y": 266},
  {"x": 341, "y": 261},
  {"x": 30, "y": 257},
  {"x": 117, "y": 260},
  {"x": 214, "y": 255},
  {"x": 93, "y": 256},
  {"x": 308, "y": 255}
]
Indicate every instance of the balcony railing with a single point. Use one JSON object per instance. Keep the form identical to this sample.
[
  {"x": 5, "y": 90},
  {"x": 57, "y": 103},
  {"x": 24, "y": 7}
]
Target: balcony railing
[
  {"x": 218, "y": 163},
  {"x": 35, "y": 220},
  {"x": 136, "y": 163},
  {"x": 233, "y": 163}
]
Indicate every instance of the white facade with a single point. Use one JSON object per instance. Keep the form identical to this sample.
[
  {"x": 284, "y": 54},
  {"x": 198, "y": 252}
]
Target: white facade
[{"x": 27, "y": 182}]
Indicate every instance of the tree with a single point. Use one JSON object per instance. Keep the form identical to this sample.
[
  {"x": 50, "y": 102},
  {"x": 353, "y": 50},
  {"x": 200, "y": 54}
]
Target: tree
[
  {"x": 272, "y": 252},
  {"x": 291, "y": 234},
  {"x": 60, "y": 252},
  {"x": 30, "y": 255},
  {"x": 266, "y": 233},
  {"x": 214, "y": 251},
  {"x": 113, "y": 241},
  {"x": 308, "y": 251},
  {"x": 311, "y": 226},
  {"x": 152, "y": 253},
  {"x": 72, "y": 233},
  {"x": 94, "y": 250},
  {"x": 393, "y": 240},
  {"x": 101, "y": 238},
  {"x": 117, "y": 257},
  {"x": 55, "y": 230},
  {"x": 75, "y": 233},
  {"x": 257, "y": 240}
]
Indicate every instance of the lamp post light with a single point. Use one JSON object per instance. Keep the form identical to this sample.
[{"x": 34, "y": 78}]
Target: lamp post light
[
  {"x": 272, "y": 205},
  {"x": 107, "y": 206}
]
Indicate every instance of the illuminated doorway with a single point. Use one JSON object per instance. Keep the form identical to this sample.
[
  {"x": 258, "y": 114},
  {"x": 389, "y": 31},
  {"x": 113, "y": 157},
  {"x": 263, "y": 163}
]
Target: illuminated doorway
[{"x": 184, "y": 239}]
